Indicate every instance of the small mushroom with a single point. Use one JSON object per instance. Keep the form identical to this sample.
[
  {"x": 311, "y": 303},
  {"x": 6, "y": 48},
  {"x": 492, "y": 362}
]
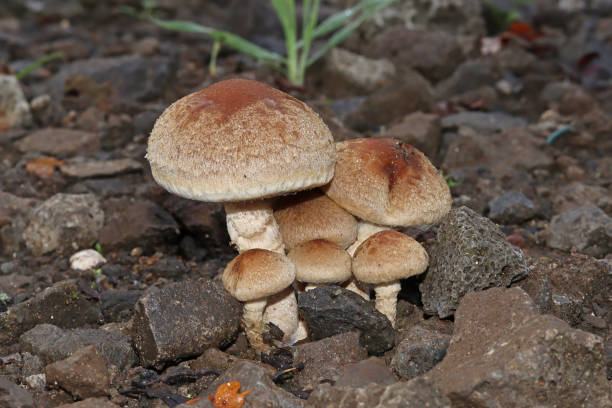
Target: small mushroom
[
  {"x": 320, "y": 262},
  {"x": 385, "y": 258},
  {"x": 252, "y": 277}
]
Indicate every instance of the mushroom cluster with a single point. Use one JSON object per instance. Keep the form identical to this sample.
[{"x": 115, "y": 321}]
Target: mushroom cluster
[{"x": 241, "y": 143}]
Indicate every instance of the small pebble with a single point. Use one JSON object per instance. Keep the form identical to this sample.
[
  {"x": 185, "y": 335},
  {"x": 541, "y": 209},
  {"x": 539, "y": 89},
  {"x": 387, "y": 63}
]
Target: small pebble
[
  {"x": 86, "y": 259},
  {"x": 136, "y": 252}
]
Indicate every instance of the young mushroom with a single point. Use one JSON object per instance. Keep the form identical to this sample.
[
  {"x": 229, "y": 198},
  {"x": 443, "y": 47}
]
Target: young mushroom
[
  {"x": 320, "y": 262},
  {"x": 252, "y": 277},
  {"x": 385, "y": 258},
  {"x": 239, "y": 142}
]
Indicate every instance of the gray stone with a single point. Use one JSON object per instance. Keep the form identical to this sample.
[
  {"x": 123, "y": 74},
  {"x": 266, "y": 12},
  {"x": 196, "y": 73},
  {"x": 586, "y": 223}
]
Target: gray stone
[
  {"x": 577, "y": 194},
  {"x": 59, "y": 142},
  {"x": 372, "y": 370},
  {"x": 468, "y": 76},
  {"x": 64, "y": 223},
  {"x": 184, "y": 319},
  {"x": 416, "y": 393},
  {"x": 14, "y": 108},
  {"x": 264, "y": 393},
  {"x": 84, "y": 374},
  {"x": 14, "y": 214},
  {"x": 13, "y": 396},
  {"x": 51, "y": 343},
  {"x": 471, "y": 254},
  {"x": 503, "y": 353},
  {"x": 511, "y": 208},
  {"x": 487, "y": 122},
  {"x": 141, "y": 223},
  {"x": 91, "y": 403},
  {"x": 356, "y": 72},
  {"x": 11, "y": 284},
  {"x": 118, "y": 305},
  {"x": 419, "y": 351},
  {"x": 61, "y": 304},
  {"x": 586, "y": 229},
  {"x": 324, "y": 360},
  {"x": 331, "y": 310},
  {"x": 100, "y": 168},
  {"x": 422, "y": 130}
]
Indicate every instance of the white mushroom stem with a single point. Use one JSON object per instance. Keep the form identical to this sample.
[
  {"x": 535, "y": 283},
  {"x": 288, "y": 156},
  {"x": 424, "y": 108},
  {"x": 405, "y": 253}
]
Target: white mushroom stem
[
  {"x": 252, "y": 225},
  {"x": 386, "y": 298},
  {"x": 364, "y": 231},
  {"x": 253, "y": 322},
  {"x": 282, "y": 310}
]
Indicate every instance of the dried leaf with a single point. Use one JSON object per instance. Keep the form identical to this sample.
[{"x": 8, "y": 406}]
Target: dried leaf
[
  {"x": 227, "y": 396},
  {"x": 43, "y": 166}
]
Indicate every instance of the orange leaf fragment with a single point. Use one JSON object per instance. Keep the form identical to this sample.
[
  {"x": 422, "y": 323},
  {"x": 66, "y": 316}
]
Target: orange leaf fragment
[
  {"x": 43, "y": 166},
  {"x": 227, "y": 396}
]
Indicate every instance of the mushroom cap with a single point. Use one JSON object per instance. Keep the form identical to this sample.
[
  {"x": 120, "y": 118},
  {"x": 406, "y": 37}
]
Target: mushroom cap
[
  {"x": 388, "y": 182},
  {"x": 387, "y": 256},
  {"x": 312, "y": 215},
  {"x": 257, "y": 273},
  {"x": 320, "y": 261},
  {"x": 239, "y": 140}
]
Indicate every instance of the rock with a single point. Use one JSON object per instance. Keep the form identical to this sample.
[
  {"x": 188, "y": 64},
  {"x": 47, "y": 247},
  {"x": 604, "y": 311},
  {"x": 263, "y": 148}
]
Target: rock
[
  {"x": 83, "y": 374},
  {"x": 324, "y": 360},
  {"x": 86, "y": 259},
  {"x": 471, "y": 254},
  {"x": 358, "y": 74},
  {"x": 13, "y": 396},
  {"x": 14, "y": 108},
  {"x": 578, "y": 194},
  {"x": 412, "y": 394},
  {"x": 119, "y": 305},
  {"x": 59, "y": 142},
  {"x": 64, "y": 223},
  {"x": 36, "y": 382},
  {"x": 408, "y": 92},
  {"x": 264, "y": 394},
  {"x": 97, "y": 168},
  {"x": 331, "y": 310},
  {"x": 434, "y": 54},
  {"x": 140, "y": 223},
  {"x": 133, "y": 77},
  {"x": 503, "y": 353},
  {"x": 419, "y": 351},
  {"x": 14, "y": 214},
  {"x": 468, "y": 76},
  {"x": 574, "y": 289},
  {"x": 184, "y": 319},
  {"x": 61, "y": 304},
  {"x": 486, "y": 122},
  {"x": 13, "y": 283},
  {"x": 422, "y": 130},
  {"x": 511, "y": 208},
  {"x": 372, "y": 370},
  {"x": 90, "y": 403},
  {"x": 51, "y": 343},
  {"x": 586, "y": 229},
  {"x": 169, "y": 267}
]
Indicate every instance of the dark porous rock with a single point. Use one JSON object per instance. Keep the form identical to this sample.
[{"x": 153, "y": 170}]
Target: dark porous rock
[
  {"x": 59, "y": 142},
  {"x": 84, "y": 374},
  {"x": 372, "y": 370},
  {"x": 324, "y": 359},
  {"x": 90, "y": 403},
  {"x": 574, "y": 288},
  {"x": 141, "y": 223},
  {"x": 331, "y": 310},
  {"x": 51, "y": 343},
  {"x": 264, "y": 394},
  {"x": 420, "y": 349},
  {"x": 416, "y": 393},
  {"x": 503, "y": 353},
  {"x": 118, "y": 305},
  {"x": 169, "y": 267},
  {"x": 64, "y": 223},
  {"x": 184, "y": 319},
  {"x": 62, "y": 304},
  {"x": 586, "y": 229},
  {"x": 511, "y": 208},
  {"x": 407, "y": 92},
  {"x": 422, "y": 130},
  {"x": 471, "y": 254},
  {"x": 13, "y": 396}
]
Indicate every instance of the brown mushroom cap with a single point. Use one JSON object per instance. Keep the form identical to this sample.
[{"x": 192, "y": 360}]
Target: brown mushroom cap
[
  {"x": 239, "y": 140},
  {"x": 320, "y": 261},
  {"x": 387, "y": 256},
  {"x": 312, "y": 215},
  {"x": 257, "y": 273},
  {"x": 388, "y": 182}
]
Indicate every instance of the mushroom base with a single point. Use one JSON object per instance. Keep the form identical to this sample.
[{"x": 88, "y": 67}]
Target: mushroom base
[{"x": 252, "y": 319}]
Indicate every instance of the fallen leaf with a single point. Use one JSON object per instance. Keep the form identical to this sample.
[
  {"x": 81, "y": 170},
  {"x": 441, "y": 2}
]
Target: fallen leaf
[
  {"x": 227, "y": 396},
  {"x": 43, "y": 166}
]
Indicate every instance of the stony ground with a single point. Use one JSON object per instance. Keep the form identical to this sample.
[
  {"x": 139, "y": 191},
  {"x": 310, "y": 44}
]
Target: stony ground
[{"x": 520, "y": 122}]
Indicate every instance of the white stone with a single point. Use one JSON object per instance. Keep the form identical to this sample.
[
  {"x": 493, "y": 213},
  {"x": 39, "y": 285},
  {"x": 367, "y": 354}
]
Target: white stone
[
  {"x": 14, "y": 108},
  {"x": 86, "y": 259}
]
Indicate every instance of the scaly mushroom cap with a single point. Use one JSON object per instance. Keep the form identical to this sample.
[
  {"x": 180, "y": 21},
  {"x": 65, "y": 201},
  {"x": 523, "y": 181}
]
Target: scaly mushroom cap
[
  {"x": 312, "y": 215},
  {"x": 320, "y": 261},
  {"x": 387, "y": 256},
  {"x": 257, "y": 273},
  {"x": 239, "y": 140},
  {"x": 388, "y": 182}
]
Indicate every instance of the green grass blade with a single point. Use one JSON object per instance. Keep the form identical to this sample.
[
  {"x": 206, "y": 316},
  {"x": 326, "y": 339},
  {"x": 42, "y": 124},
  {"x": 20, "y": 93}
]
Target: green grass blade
[
  {"x": 38, "y": 63},
  {"x": 337, "y": 20},
  {"x": 310, "y": 13},
  {"x": 285, "y": 10}
]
